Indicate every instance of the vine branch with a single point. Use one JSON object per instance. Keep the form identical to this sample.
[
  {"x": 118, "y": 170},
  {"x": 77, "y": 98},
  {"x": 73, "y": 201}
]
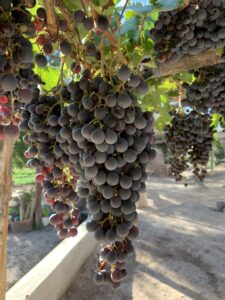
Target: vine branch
[
  {"x": 124, "y": 7},
  {"x": 64, "y": 12},
  {"x": 68, "y": 16},
  {"x": 111, "y": 39},
  {"x": 185, "y": 4},
  {"x": 186, "y": 63},
  {"x": 120, "y": 56},
  {"x": 51, "y": 18},
  {"x": 60, "y": 80},
  {"x": 102, "y": 55},
  {"x": 141, "y": 27},
  {"x": 83, "y": 5}
]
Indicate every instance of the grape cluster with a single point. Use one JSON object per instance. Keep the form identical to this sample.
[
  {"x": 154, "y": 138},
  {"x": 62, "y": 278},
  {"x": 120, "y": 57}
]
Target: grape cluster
[
  {"x": 207, "y": 92},
  {"x": 58, "y": 185},
  {"x": 98, "y": 25},
  {"x": 113, "y": 136},
  {"x": 114, "y": 255},
  {"x": 45, "y": 40},
  {"x": 18, "y": 83},
  {"x": 65, "y": 46},
  {"x": 53, "y": 151},
  {"x": 94, "y": 128},
  {"x": 189, "y": 138},
  {"x": 197, "y": 27}
]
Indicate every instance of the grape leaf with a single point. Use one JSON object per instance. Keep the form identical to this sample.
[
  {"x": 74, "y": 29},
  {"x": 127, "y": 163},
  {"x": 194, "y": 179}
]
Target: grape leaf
[
  {"x": 166, "y": 5},
  {"x": 141, "y": 10},
  {"x": 131, "y": 24},
  {"x": 72, "y": 5},
  {"x": 49, "y": 75}
]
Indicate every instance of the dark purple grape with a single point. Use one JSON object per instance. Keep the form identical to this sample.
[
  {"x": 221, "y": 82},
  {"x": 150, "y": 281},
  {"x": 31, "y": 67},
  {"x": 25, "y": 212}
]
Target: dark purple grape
[
  {"x": 41, "y": 60},
  {"x": 103, "y": 23},
  {"x": 8, "y": 83},
  {"x": 124, "y": 73},
  {"x": 41, "y": 13},
  {"x": 88, "y": 23},
  {"x": 65, "y": 47},
  {"x": 78, "y": 16}
]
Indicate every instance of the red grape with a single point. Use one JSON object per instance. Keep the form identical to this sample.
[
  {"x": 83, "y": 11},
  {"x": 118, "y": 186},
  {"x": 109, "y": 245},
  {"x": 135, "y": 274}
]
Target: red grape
[{"x": 4, "y": 99}]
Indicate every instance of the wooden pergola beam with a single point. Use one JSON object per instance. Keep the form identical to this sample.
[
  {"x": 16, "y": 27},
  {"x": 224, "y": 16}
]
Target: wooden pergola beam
[
  {"x": 187, "y": 63},
  {"x": 6, "y": 149}
]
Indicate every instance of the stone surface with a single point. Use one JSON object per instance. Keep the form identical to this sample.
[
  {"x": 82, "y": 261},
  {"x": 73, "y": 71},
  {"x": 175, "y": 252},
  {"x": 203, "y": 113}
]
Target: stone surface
[{"x": 25, "y": 250}]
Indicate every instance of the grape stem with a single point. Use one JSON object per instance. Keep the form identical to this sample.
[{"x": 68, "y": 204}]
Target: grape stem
[
  {"x": 60, "y": 80},
  {"x": 123, "y": 10},
  {"x": 82, "y": 2},
  {"x": 13, "y": 101},
  {"x": 67, "y": 15},
  {"x": 111, "y": 39},
  {"x": 141, "y": 27},
  {"x": 120, "y": 56},
  {"x": 180, "y": 97},
  {"x": 102, "y": 55}
]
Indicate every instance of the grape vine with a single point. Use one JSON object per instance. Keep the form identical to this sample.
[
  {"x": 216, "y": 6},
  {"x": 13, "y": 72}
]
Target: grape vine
[{"x": 87, "y": 134}]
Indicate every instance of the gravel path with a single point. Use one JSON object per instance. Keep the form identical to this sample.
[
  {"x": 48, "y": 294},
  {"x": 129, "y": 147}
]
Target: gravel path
[
  {"x": 180, "y": 252},
  {"x": 25, "y": 250}
]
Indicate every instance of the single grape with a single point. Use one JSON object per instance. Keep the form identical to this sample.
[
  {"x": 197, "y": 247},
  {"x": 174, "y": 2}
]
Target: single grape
[
  {"x": 124, "y": 73},
  {"x": 103, "y": 23}
]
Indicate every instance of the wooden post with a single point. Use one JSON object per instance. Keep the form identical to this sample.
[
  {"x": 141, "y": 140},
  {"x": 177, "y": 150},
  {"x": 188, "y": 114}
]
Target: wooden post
[
  {"x": 38, "y": 208},
  {"x": 6, "y": 148}
]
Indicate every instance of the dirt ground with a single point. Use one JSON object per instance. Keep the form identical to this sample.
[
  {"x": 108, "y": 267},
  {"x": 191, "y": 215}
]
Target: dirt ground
[
  {"x": 25, "y": 250},
  {"x": 180, "y": 252}
]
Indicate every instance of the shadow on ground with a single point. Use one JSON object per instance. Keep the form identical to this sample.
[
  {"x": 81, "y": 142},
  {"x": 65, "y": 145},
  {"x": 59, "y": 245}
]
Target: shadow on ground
[{"x": 179, "y": 252}]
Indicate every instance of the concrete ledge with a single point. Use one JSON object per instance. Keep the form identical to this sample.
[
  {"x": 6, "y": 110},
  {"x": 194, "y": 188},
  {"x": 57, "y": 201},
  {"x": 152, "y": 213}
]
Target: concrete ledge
[{"x": 53, "y": 275}]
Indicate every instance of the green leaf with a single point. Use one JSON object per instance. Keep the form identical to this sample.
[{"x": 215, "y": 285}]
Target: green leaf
[
  {"x": 135, "y": 56},
  {"x": 219, "y": 51},
  {"x": 49, "y": 75},
  {"x": 184, "y": 77},
  {"x": 96, "y": 2},
  {"x": 72, "y": 5},
  {"x": 163, "y": 119},
  {"x": 129, "y": 14},
  {"x": 147, "y": 46},
  {"x": 164, "y": 5},
  {"x": 216, "y": 120},
  {"x": 34, "y": 9},
  {"x": 131, "y": 24},
  {"x": 105, "y": 7},
  {"x": 173, "y": 94},
  {"x": 141, "y": 10},
  {"x": 109, "y": 11}
]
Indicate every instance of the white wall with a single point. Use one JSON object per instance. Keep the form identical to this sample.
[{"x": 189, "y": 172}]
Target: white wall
[{"x": 52, "y": 276}]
